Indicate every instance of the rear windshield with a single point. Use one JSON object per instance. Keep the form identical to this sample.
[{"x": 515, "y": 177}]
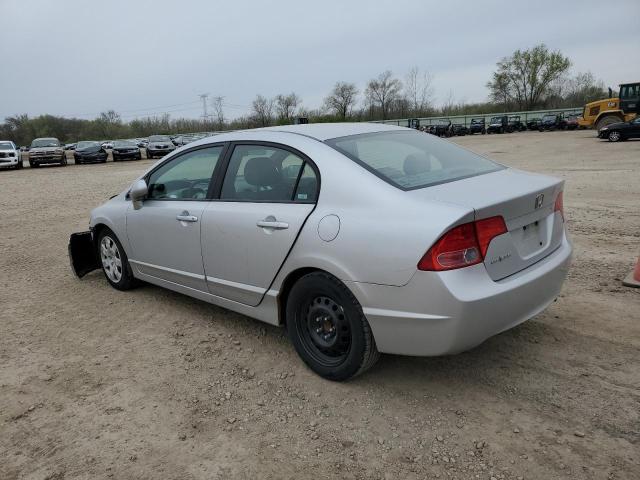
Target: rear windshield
[{"x": 411, "y": 159}]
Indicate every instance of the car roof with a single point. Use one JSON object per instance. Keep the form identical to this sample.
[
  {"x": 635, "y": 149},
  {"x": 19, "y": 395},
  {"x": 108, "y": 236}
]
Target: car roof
[{"x": 325, "y": 131}]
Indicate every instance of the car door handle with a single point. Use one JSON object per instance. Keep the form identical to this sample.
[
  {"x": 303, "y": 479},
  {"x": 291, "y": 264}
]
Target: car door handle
[
  {"x": 185, "y": 217},
  {"x": 272, "y": 224}
]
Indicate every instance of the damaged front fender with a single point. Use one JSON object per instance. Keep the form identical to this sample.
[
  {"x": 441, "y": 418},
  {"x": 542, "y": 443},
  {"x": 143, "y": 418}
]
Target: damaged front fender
[{"x": 83, "y": 254}]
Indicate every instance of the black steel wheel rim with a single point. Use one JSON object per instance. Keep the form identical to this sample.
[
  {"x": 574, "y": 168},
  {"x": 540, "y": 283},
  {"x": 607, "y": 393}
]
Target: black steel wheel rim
[{"x": 324, "y": 330}]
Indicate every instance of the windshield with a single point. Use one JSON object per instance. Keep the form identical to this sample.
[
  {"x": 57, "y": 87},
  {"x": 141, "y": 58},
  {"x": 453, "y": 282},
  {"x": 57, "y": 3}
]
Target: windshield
[
  {"x": 549, "y": 117},
  {"x": 477, "y": 120},
  {"x": 410, "y": 160},
  {"x": 496, "y": 119},
  {"x": 6, "y": 146},
  {"x": 82, "y": 145},
  {"x": 159, "y": 138},
  {"x": 45, "y": 142},
  {"x": 124, "y": 143}
]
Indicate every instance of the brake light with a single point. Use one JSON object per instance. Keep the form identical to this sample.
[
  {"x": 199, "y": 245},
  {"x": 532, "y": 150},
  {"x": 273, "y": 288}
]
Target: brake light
[
  {"x": 559, "y": 206},
  {"x": 487, "y": 229},
  {"x": 462, "y": 246}
]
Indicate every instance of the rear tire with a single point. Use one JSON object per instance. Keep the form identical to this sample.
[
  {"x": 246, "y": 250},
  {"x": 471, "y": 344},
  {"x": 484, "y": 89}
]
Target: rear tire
[
  {"x": 114, "y": 261},
  {"x": 607, "y": 120},
  {"x": 328, "y": 329}
]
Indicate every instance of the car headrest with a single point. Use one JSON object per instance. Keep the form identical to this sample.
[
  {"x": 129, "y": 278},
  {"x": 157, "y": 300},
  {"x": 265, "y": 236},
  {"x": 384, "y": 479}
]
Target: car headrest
[
  {"x": 415, "y": 164},
  {"x": 261, "y": 172}
]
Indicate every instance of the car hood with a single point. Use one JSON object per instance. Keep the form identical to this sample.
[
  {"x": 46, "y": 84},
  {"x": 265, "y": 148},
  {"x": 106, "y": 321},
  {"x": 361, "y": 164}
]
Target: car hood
[
  {"x": 162, "y": 144},
  {"x": 44, "y": 149},
  {"x": 89, "y": 149}
]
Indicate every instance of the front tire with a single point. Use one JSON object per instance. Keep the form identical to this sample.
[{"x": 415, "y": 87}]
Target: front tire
[
  {"x": 115, "y": 264},
  {"x": 614, "y": 136},
  {"x": 328, "y": 329}
]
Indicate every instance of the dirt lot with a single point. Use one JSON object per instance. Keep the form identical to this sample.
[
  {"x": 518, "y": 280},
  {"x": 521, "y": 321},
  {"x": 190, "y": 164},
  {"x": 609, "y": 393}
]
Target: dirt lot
[{"x": 148, "y": 384}]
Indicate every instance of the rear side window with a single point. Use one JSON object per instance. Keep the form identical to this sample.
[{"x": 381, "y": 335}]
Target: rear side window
[
  {"x": 410, "y": 160},
  {"x": 268, "y": 174}
]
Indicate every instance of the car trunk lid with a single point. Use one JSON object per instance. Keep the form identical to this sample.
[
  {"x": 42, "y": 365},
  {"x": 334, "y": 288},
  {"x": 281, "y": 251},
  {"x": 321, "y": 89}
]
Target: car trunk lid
[{"x": 526, "y": 202}]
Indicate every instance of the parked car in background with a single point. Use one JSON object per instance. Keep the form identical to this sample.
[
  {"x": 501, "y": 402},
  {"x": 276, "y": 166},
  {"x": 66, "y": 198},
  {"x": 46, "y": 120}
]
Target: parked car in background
[
  {"x": 142, "y": 143},
  {"x": 616, "y": 132},
  {"x": 89, "y": 152},
  {"x": 459, "y": 129},
  {"x": 499, "y": 124},
  {"x": 107, "y": 144},
  {"x": 571, "y": 121},
  {"x": 534, "y": 123},
  {"x": 442, "y": 128},
  {"x": 125, "y": 150},
  {"x": 70, "y": 146},
  {"x": 285, "y": 242},
  {"x": 44, "y": 151},
  {"x": 159, "y": 146},
  {"x": 477, "y": 126},
  {"x": 515, "y": 124},
  {"x": 10, "y": 155},
  {"x": 552, "y": 121}
]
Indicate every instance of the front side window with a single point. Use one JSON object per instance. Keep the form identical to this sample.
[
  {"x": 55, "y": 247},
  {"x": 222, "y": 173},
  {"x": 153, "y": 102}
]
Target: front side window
[
  {"x": 409, "y": 160},
  {"x": 259, "y": 173},
  {"x": 186, "y": 177}
]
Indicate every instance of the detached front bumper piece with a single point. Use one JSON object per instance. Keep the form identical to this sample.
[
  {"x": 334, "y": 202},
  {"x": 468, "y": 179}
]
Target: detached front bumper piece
[{"x": 83, "y": 254}]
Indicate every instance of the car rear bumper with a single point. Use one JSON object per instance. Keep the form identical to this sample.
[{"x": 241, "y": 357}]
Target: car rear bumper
[{"x": 465, "y": 306}]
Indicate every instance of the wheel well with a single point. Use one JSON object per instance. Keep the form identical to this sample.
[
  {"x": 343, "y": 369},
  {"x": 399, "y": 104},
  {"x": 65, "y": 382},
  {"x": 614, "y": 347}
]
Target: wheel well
[
  {"x": 97, "y": 230},
  {"x": 288, "y": 283}
]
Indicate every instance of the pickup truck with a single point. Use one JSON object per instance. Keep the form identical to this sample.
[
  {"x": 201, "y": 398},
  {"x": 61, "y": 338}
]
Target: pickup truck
[{"x": 45, "y": 151}]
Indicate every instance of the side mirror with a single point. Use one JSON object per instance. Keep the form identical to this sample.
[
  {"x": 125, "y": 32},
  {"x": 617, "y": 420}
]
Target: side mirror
[{"x": 138, "y": 193}]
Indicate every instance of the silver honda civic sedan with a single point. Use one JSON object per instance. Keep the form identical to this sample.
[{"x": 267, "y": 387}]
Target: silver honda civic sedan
[{"x": 358, "y": 238}]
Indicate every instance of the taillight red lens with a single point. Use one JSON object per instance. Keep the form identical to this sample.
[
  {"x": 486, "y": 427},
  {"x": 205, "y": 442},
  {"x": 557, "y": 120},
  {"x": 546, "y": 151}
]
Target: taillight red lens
[
  {"x": 559, "y": 206},
  {"x": 462, "y": 246},
  {"x": 487, "y": 229}
]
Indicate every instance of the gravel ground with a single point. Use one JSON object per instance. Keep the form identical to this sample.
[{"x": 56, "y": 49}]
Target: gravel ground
[{"x": 149, "y": 384}]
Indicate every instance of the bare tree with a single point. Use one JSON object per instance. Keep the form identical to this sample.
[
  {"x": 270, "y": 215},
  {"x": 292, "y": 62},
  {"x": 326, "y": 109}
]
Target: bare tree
[
  {"x": 418, "y": 88},
  {"x": 286, "y": 106},
  {"x": 526, "y": 76},
  {"x": 342, "y": 99},
  {"x": 217, "y": 104},
  {"x": 263, "y": 111},
  {"x": 383, "y": 91}
]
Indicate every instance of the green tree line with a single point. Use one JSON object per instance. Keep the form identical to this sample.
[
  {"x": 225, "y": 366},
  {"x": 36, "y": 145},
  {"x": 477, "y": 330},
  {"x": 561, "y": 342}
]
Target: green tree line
[{"x": 537, "y": 78}]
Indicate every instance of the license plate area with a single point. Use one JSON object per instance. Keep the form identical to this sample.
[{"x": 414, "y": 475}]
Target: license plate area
[{"x": 533, "y": 238}]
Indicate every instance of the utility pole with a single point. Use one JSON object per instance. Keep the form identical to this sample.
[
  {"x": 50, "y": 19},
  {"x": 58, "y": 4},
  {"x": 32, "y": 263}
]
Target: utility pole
[{"x": 204, "y": 97}]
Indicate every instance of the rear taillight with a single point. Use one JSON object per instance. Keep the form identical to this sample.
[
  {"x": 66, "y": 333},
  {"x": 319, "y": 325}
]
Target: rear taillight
[
  {"x": 462, "y": 246},
  {"x": 559, "y": 206}
]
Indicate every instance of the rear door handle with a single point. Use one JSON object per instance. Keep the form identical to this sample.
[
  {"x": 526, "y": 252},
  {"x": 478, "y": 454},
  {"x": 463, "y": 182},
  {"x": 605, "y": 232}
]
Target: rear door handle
[
  {"x": 185, "y": 217},
  {"x": 271, "y": 222}
]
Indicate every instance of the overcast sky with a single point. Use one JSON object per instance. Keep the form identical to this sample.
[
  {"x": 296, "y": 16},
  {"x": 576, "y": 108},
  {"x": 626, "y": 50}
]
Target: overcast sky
[{"x": 141, "y": 57}]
